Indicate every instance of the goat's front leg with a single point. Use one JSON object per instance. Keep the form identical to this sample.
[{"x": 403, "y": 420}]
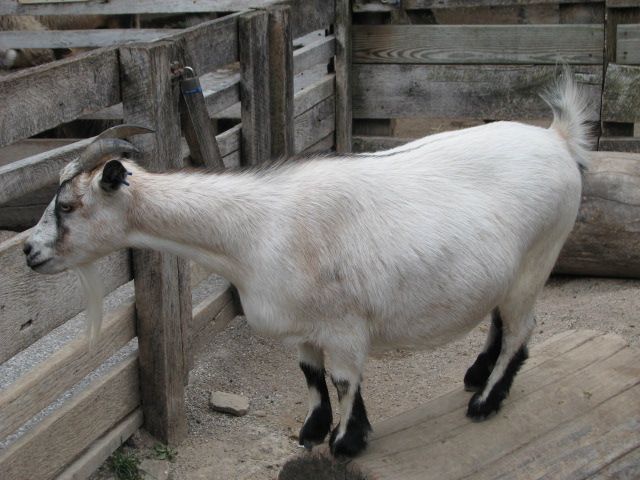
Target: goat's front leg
[
  {"x": 319, "y": 418},
  {"x": 349, "y": 438}
]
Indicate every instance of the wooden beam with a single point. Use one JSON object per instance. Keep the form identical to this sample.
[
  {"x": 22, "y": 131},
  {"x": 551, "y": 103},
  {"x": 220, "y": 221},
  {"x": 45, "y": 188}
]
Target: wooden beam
[
  {"x": 106, "y": 37},
  {"x": 42, "y": 97},
  {"x": 33, "y": 304},
  {"x": 320, "y": 51},
  {"x": 310, "y": 15},
  {"x": 310, "y": 96},
  {"x": 424, "y": 4},
  {"x": 281, "y": 82},
  {"x": 315, "y": 124},
  {"x": 44, "y": 451},
  {"x": 100, "y": 450},
  {"x": 254, "y": 87},
  {"x": 47, "y": 381},
  {"x": 463, "y": 91},
  {"x": 343, "y": 70},
  {"x": 478, "y": 44},
  {"x": 163, "y": 301},
  {"x": 621, "y": 96}
]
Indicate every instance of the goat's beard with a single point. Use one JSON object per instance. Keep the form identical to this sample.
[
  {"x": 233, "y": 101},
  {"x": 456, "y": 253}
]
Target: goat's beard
[{"x": 94, "y": 292}]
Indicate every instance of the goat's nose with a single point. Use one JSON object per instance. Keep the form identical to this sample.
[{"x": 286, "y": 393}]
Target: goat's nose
[{"x": 27, "y": 248}]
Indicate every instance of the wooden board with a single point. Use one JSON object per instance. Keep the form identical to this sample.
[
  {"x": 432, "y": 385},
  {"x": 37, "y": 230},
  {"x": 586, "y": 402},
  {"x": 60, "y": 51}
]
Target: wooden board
[
  {"x": 313, "y": 94},
  {"x": 42, "y": 97},
  {"x": 58, "y": 439},
  {"x": 478, "y": 44},
  {"x": 628, "y": 47},
  {"x": 315, "y": 124},
  {"x": 48, "y": 380},
  {"x": 80, "y": 38},
  {"x": 573, "y": 410},
  {"x": 619, "y": 144},
  {"x": 621, "y": 96},
  {"x": 320, "y": 51},
  {"x": 422, "y": 4},
  {"x": 345, "y": 80},
  {"x": 32, "y": 304},
  {"x": 464, "y": 91}
]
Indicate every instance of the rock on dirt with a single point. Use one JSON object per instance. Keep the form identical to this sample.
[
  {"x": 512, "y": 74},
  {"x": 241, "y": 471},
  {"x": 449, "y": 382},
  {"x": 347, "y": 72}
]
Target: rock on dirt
[{"x": 229, "y": 403}]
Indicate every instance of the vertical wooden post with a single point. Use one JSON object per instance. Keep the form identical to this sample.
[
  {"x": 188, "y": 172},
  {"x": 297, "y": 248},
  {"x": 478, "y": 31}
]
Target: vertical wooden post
[
  {"x": 343, "y": 76},
  {"x": 163, "y": 296},
  {"x": 281, "y": 81},
  {"x": 253, "y": 42}
]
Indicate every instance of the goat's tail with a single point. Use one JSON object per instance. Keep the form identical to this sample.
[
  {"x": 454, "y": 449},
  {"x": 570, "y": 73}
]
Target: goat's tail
[{"x": 569, "y": 105}]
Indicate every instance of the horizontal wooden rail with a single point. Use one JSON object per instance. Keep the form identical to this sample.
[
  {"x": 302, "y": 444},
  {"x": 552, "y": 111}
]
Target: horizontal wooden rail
[
  {"x": 105, "y": 37},
  {"x": 211, "y": 316},
  {"x": 42, "y": 97},
  {"x": 621, "y": 96},
  {"x": 313, "y": 94},
  {"x": 384, "y": 6},
  {"x": 58, "y": 439},
  {"x": 462, "y": 91},
  {"x": 34, "y": 304},
  {"x": 478, "y": 44},
  {"x": 315, "y": 124},
  {"x": 50, "y": 379},
  {"x": 320, "y": 51},
  {"x": 628, "y": 47}
]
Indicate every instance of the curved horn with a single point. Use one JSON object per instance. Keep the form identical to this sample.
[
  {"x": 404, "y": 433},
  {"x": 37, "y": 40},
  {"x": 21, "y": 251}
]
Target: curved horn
[{"x": 106, "y": 143}]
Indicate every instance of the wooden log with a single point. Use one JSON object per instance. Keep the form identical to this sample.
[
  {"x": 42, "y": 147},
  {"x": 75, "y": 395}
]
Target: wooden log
[
  {"x": 281, "y": 82},
  {"x": 315, "y": 124},
  {"x": 462, "y": 91},
  {"x": 621, "y": 96},
  {"x": 44, "y": 451},
  {"x": 343, "y": 70},
  {"x": 80, "y": 38},
  {"x": 163, "y": 300},
  {"x": 606, "y": 238},
  {"x": 31, "y": 304},
  {"x": 42, "y": 97},
  {"x": 62, "y": 370},
  {"x": 478, "y": 44},
  {"x": 254, "y": 87}
]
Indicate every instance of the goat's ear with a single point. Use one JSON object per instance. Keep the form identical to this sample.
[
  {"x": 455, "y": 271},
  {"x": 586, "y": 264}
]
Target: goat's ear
[{"x": 114, "y": 175}]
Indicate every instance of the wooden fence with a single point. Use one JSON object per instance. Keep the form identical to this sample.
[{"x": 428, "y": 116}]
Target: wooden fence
[
  {"x": 462, "y": 62},
  {"x": 247, "y": 65}
]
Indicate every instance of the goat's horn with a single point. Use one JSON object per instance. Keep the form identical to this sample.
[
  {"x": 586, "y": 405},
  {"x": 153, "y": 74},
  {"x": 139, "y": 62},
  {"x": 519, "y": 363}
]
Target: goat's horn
[{"x": 123, "y": 131}]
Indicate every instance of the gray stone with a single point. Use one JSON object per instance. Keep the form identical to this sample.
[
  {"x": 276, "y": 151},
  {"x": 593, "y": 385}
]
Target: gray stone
[
  {"x": 229, "y": 403},
  {"x": 154, "y": 469}
]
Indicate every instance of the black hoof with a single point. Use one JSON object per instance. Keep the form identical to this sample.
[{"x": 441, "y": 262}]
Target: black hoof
[
  {"x": 479, "y": 411},
  {"x": 353, "y": 442},
  {"x": 477, "y": 375},
  {"x": 315, "y": 429}
]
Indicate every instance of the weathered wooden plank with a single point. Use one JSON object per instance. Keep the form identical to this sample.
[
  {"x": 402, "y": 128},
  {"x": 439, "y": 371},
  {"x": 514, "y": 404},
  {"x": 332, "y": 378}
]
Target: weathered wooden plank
[
  {"x": 323, "y": 145},
  {"x": 163, "y": 299},
  {"x": 43, "y": 452},
  {"x": 210, "y": 45},
  {"x": 47, "y": 381},
  {"x": 320, "y": 51},
  {"x": 622, "y": 3},
  {"x": 464, "y": 91},
  {"x": 229, "y": 141},
  {"x": 31, "y": 146},
  {"x": 478, "y": 44},
  {"x": 626, "y": 467},
  {"x": 370, "y": 143},
  {"x": 606, "y": 239},
  {"x": 313, "y": 94},
  {"x": 628, "y": 48},
  {"x": 42, "y": 97},
  {"x": 85, "y": 465},
  {"x": 122, "y": 7},
  {"x": 621, "y": 96},
  {"x": 344, "y": 77},
  {"x": 315, "y": 124},
  {"x": 310, "y": 15},
  {"x": 422, "y": 4},
  {"x": 212, "y": 327},
  {"x": 615, "y": 19},
  {"x": 619, "y": 144},
  {"x": 281, "y": 81},
  {"x": 33, "y": 304},
  {"x": 80, "y": 38},
  {"x": 207, "y": 310},
  {"x": 254, "y": 87}
]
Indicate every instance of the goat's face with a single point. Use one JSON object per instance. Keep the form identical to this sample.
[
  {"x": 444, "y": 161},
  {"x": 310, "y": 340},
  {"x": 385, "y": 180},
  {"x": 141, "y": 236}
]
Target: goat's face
[{"x": 86, "y": 220}]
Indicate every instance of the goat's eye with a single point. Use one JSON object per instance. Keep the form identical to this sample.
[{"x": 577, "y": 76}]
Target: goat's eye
[{"x": 66, "y": 208}]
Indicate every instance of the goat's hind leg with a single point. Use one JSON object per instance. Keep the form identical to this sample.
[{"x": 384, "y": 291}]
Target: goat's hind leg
[
  {"x": 319, "y": 418},
  {"x": 477, "y": 375}
]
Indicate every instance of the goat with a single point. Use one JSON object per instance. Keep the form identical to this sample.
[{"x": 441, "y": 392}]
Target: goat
[{"x": 342, "y": 255}]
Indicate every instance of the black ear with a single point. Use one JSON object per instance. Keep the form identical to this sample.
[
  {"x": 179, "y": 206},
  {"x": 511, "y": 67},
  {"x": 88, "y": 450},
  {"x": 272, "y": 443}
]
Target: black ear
[{"x": 113, "y": 176}]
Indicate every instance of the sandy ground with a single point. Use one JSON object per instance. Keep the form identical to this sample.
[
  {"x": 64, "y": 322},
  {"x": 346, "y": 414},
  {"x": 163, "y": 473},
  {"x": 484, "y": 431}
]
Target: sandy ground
[{"x": 255, "y": 446}]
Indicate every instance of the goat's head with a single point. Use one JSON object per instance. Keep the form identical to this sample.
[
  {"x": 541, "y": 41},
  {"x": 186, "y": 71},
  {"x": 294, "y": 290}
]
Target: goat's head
[{"x": 87, "y": 217}]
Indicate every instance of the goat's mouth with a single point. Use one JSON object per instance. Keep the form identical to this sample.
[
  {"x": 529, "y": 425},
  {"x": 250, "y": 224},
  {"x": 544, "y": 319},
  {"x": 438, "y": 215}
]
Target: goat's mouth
[
  {"x": 46, "y": 267},
  {"x": 36, "y": 266}
]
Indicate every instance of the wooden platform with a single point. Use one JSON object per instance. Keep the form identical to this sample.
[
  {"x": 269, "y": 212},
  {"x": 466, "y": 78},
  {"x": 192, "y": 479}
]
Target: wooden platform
[{"x": 573, "y": 413}]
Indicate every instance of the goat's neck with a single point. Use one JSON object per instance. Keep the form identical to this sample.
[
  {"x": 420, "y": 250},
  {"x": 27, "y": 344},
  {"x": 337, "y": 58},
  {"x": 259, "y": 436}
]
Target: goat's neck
[{"x": 211, "y": 219}]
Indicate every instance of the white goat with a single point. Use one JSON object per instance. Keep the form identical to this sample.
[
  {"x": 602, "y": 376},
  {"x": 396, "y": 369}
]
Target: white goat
[{"x": 411, "y": 247}]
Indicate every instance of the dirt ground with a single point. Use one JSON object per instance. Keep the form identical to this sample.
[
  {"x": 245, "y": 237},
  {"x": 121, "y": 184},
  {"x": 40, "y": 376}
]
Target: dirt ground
[{"x": 220, "y": 446}]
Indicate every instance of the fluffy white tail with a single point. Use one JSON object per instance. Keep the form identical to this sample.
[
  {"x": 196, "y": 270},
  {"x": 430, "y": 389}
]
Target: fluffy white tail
[{"x": 569, "y": 105}]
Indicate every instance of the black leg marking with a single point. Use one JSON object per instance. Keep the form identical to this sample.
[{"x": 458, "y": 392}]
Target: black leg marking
[
  {"x": 358, "y": 427},
  {"x": 318, "y": 424},
  {"x": 476, "y": 377},
  {"x": 478, "y": 410}
]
